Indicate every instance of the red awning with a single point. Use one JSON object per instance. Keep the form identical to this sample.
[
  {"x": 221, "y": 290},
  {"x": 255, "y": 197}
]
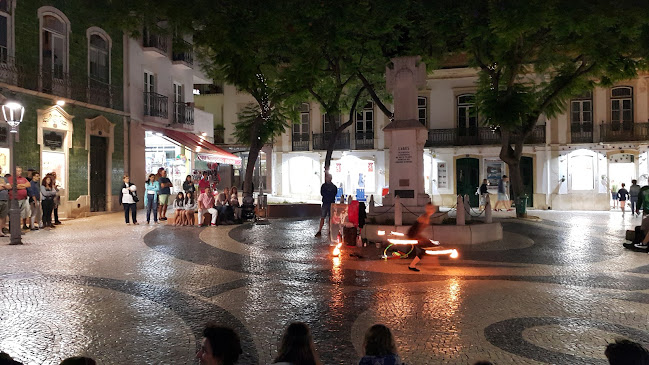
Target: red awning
[{"x": 205, "y": 150}]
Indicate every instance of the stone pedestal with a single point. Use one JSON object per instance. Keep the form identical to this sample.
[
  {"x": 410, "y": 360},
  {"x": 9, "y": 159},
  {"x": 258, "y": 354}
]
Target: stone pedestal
[{"x": 405, "y": 137}]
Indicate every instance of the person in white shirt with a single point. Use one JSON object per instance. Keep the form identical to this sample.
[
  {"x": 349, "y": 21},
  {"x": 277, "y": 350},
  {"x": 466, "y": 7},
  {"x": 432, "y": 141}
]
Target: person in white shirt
[{"x": 129, "y": 200}]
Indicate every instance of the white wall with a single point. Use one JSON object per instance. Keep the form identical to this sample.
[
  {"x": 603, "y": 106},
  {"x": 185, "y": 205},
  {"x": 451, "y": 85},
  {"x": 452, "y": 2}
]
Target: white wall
[{"x": 204, "y": 123}]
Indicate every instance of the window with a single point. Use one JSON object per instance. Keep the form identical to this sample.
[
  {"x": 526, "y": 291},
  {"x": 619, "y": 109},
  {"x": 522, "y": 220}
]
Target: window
[
  {"x": 365, "y": 120},
  {"x": 54, "y": 53},
  {"x": 581, "y": 109},
  {"x": 6, "y": 30},
  {"x": 622, "y": 108},
  {"x": 422, "y": 109},
  {"x": 99, "y": 46},
  {"x": 302, "y": 128},
  {"x": 467, "y": 117},
  {"x": 326, "y": 126},
  {"x": 149, "y": 92}
]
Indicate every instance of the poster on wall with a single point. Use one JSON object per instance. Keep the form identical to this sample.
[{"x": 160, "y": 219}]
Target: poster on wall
[
  {"x": 495, "y": 170},
  {"x": 55, "y": 162},
  {"x": 442, "y": 177},
  {"x": 4, "y": 160}
]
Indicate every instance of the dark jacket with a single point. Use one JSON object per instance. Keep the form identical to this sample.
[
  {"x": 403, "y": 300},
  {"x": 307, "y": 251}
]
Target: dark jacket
[{"x": 328, "y": 191}]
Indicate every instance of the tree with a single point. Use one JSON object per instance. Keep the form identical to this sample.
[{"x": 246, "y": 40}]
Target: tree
[{"x": 533, "y": 56}]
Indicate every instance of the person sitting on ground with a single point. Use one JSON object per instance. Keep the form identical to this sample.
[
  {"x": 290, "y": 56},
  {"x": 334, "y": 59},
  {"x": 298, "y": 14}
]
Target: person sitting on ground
[
  {"x": 296, "y": 347},
  {"x": 179, "y": 209},
  {"x": 206, "y": 205},
  {"x": 380, "y": 348},
  {"x": 190, "y": 209},
  {"x": 220, "y": 346},
  {"x": 625, "y": 352},
  {"x": 78, "y": 360}
]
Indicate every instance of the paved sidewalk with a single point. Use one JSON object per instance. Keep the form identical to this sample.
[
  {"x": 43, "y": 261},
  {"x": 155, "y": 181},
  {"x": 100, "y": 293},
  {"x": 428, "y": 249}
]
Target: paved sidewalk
[{"x": 555, "y": 290}]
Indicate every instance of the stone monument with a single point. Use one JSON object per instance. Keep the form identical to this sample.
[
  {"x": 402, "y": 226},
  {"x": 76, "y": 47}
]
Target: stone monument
[{"x": 405, "y": 136}]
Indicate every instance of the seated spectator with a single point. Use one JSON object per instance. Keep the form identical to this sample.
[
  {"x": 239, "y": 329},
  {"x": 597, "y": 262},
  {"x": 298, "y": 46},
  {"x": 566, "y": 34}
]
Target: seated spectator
[
  {"x": 234, "y": 203},
  {"x": 297, "y": 346},
  {"x": 190, "y": 208},
  {"x": 5, "y": 359},
  {"x": 78, "y": 360},
  {"x": 380, "y": 348},
  {"x": 625, "y": 352},
  {"x": 223, "y": 205},
  {"x": 483, "y": 363},
  {"x": 220, "y": 346},
  {"x": 179, "y": 209},
  {"x": 206, "y": 205}
]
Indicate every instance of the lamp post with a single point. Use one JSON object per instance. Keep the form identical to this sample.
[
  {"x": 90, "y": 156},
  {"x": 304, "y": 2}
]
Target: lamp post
[{"x": 13, "y": 114}]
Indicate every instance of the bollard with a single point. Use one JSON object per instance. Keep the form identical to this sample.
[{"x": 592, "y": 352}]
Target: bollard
[
  {"x": 487, "y": 209},
  {"x": 398, "y": 217},
  {"x": 459, "y": 216},
  {"x": 467, "y": 208}
]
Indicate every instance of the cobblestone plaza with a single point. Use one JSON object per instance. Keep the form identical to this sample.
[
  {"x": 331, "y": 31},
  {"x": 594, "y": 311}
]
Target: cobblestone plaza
[{"x": 556, "y": 290}]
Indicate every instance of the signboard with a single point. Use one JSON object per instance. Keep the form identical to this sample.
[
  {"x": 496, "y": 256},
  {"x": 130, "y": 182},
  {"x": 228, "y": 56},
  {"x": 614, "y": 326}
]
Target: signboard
[
  {"x": 339, "y": 217},
  {"x": 53, "y": 140},
  {"x": 404, "y": 155},
  {"x": 442, "y": 178},
  {"x": 495, "y": 171}
]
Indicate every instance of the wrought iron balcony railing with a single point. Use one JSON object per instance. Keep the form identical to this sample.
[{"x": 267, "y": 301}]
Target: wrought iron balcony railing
[
  {"x": 156, "y": 105},
  {"x": 300, "y": 141},
  {"x": 183, "y": 51},
  {"x": 624, "y": 131},
  {"x": 183, "y": 113},
  {"x": 364, "y": 140},
  {"x": 581, "y": 133},
  {"x": 321, "y": 141},
  {"x": 476, "y": 136},
  {"x": 154, "y": 37}
]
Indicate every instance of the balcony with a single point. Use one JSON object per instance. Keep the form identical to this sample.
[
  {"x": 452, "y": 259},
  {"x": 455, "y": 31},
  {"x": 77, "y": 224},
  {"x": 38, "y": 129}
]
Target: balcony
[
  {"x": 300, "y": 141},
  {"x": 154, "y": 41},
  {"x": 581, "y": 133},
  {"x": 321, "y": 141},
  {"x": 183, "y": 54},
  {"x": 476, "y": 136},
  {"x": 219, "y": 135},
  {"x": 183, "y": 114},
  {"x": 156, "y": 105},
  {"x": 624, "y": 131},
  {"x": 364, "y": 140}
]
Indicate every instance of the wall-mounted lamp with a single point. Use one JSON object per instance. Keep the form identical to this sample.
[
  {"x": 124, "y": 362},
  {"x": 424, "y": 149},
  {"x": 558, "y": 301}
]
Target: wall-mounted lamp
[
  {"x": 60, "y": 102},
  {"x": 562, "y": 179}
]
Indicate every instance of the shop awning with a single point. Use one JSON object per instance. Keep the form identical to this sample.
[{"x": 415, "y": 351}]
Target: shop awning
[{"x": 205, "y": 150}]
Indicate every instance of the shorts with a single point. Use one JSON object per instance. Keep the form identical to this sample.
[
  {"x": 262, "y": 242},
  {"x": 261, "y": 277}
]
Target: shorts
[
  {"x": 4, "y": 209},
  {"x": 163, "y": 199},
  {"x": 614, "y": 196},
  {"x": 502, "y": 196},
  {"x": 25, "y": 209},
  {"x": 325, "y": 211}
]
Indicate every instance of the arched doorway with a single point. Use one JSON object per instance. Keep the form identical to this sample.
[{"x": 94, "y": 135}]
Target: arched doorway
[{"x": 467, "y": 177}]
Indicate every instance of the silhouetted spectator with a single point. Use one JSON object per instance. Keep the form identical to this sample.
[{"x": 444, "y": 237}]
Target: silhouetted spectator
[
  {"x": 625, "y": 352},
  {"x": 78, "y": 360},
  {"x": 380, "y": 348},
  {"x": 297, "y": 346},
  {"x": 220, "y": 346},
  {"x": 5, "y": 359},
  {"x": 483, "y": 363}
]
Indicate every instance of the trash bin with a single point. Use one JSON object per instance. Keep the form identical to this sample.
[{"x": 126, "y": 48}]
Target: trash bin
[{"x": 521, "y": 206}]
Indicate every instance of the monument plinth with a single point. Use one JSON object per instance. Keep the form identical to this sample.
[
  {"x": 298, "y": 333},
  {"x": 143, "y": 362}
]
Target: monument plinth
[{"x": 405, "y": 136}]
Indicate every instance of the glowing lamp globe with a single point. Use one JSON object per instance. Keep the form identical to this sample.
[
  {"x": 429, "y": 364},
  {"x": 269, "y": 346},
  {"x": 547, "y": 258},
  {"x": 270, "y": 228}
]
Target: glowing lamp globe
[{"x": 13, "y": 114}]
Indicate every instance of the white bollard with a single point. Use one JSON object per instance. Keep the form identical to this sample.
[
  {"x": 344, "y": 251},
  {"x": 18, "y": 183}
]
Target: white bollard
[
  {"x": 398, "y": 214},
  {"x": 487, "y": 209},
  {"x": 459, "y": 207},
  {"x": 467, "y": 208}
]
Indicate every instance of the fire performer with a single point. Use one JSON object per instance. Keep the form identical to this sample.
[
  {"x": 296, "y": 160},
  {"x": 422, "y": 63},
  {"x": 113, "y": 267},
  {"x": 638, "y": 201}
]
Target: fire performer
[{"x": 414, "y": 233}]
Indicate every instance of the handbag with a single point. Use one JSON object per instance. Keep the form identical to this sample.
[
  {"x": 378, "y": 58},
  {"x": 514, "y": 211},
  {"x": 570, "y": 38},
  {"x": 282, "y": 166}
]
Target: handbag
[{"x": 133, "y": 194}]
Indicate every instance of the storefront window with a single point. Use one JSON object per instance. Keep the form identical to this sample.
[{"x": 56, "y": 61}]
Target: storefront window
[
  {"x": 352, "y": 174},
  {"x": 581, "y": 168},
  {"x": 161, "y": 152},
  {"x": 54, "y": 155}
]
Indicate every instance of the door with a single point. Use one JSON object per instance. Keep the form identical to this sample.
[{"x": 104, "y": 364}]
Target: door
[
  {"x": 527, "y": 174},
  {"x": 179, "y": 105},
  {"x": 98, "y": 156},
  {"x": 467, "y": 177},
  {"x": 149, "y": 89}
]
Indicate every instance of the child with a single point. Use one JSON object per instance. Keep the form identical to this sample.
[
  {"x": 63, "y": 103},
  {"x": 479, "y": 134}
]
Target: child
[
  {"x": 190, "y": 208},
  {"x": 179, "y": 208}
]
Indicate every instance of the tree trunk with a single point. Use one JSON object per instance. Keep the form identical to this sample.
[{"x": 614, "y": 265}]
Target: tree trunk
[
  {"x": 255, "y": 148},
  {"x": 331, "y": 143},
  {"x": 512, "y": 157}
]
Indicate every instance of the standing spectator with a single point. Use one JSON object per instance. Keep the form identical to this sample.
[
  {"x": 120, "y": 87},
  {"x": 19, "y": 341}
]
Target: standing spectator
[
  {"x": 23, "y": 204},
  {"x": 614, "y": 193},
  {"x": 163, "y": 195},
  {"x": 190, "y": 208},
  {"x": 129, "y": 200},
  {"x": 643, "y": 201},
  {"x": 234, "y": 203},
  {"x": 484, "y": 191},
  {"x": 634, "y": 192},
  {"x": 204, "y": 182},
  {"x": 188, "y": 185},
  {"x": 151, "y": 187},
  {"x": 4, "y": 202},
  {"x": 179, "y": 209},
  {"x": 57, "y": 199},
  {"x": 48, "y": 194},
  {"x": 206, "y": 205},
  {"x": 34, "y": 193},
  {"x": 625, "y": 352},
  {"x": 380, "y": 348},
  {"x": 623, "y": 196},
  {"x": 220, "y": 346},
  {"x": 78, "y": 360},
  {"x": 297, "y": 346},
  {"x": 503, "y": 197},
  {"x": 328, "y": 191}
]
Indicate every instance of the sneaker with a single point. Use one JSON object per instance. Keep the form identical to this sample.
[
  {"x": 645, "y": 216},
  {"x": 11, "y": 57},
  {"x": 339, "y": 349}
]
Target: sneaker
[
  {"x": 136, "y": 223},
  {"x": 163, "y": 218},
  {"x": 34, "y": 229},
  {"x": 213, "y": 224},
  {"x": 25, "y": 227},
  {"x": 57, "y": 222},
  {"x": 640, "y": 245},
  {"x": 318, "y": 234},
  {"x": 413, "y": 269}
]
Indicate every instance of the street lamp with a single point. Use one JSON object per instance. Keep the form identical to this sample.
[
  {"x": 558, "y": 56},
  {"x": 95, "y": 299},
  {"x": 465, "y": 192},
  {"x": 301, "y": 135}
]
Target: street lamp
[{"x": 13, "y": 114}]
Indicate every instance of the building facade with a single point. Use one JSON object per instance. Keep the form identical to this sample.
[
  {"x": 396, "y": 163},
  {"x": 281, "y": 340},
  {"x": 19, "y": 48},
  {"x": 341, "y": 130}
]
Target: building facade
[{"x": 65, "y": 66}]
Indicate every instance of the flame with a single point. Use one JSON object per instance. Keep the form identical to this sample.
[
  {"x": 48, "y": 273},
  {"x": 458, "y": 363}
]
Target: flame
[
  {"x": 337, "y": 249},
  {"x": 436, "y": 243},
  {"x": 397, "y": 233},
  {"x": 451, "y": 252},
  {"x": 402, "y": 242},
  {"x": 455, "y": 254}
]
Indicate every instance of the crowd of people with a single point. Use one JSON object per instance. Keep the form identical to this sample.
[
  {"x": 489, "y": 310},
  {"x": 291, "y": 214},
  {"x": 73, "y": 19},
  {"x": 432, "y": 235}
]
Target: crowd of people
[
  {"x": 38, "y": 200},
  {"x": 195, "y": 197},
  {"x": 221, "y": 346}
]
